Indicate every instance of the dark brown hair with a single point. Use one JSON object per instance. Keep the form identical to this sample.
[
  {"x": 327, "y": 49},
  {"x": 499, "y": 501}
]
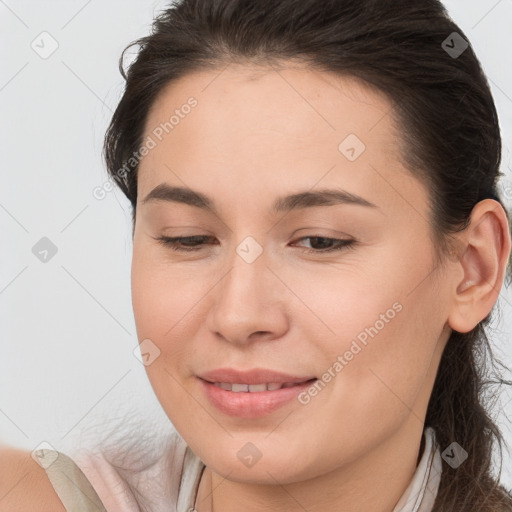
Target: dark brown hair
[{"x": 451, "y": 141}]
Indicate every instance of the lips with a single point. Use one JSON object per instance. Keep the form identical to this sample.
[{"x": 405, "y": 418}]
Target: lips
[
  {"x": 251, "y": 394},
  {"x": 254, "y": 376}
]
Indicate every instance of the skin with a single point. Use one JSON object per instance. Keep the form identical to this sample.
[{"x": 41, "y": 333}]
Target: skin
[{"x": 257, "y": 134}]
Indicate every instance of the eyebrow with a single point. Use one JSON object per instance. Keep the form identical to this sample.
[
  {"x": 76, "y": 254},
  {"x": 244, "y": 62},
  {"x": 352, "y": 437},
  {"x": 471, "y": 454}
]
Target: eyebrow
[{"x": 296, "y": 201}]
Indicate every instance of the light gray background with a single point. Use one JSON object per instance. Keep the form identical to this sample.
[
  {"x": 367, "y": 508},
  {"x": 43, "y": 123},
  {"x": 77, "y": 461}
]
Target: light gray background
[{"x": 67, "y": 330}]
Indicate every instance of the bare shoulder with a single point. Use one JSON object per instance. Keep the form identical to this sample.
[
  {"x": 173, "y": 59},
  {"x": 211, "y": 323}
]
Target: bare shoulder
[{"x": 24, "y": 484}]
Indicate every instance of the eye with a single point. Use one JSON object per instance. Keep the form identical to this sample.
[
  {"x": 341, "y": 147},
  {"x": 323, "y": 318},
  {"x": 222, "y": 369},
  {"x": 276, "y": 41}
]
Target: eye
[
  {"x": 339, "y": 244},
  {"x": 174, "y": 242},
  {"x": 193, "y": 243}
]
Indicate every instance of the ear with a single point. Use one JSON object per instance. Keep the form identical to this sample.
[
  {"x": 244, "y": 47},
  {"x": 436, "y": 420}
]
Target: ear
[{"x": 485, "y": 250}]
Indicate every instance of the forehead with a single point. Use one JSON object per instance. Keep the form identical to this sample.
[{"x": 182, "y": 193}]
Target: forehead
[
  {"x": 259, "y": 128},
  {"x": 299, "y": 101}
]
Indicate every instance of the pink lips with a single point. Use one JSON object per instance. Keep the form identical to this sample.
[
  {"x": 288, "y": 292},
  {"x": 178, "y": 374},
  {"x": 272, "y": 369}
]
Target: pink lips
[{"x": 247, "y": 404}]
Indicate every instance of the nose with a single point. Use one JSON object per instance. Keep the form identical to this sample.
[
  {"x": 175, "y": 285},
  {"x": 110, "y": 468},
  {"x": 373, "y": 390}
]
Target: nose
[{"x": 249, "y": 303}]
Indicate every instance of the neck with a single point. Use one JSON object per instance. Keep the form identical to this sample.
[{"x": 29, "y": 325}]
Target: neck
[{"x": 373, "y": 482}]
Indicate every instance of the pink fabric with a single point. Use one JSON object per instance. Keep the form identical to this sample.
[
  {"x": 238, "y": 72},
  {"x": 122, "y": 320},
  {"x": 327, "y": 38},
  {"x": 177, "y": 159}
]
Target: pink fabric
[
  {"x": 168, "y": 482},
  {"x": 154, "y": 488}
]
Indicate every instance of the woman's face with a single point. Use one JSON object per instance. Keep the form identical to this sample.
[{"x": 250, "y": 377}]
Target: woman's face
[{"x": 259, "y": 287}]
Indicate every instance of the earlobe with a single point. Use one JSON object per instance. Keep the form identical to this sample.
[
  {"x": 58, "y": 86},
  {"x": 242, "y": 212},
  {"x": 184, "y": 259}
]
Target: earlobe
[{"x": 484, "y": 263}]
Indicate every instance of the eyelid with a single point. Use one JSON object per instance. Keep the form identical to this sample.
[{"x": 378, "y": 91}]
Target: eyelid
[{"x": 341, "y": 243}]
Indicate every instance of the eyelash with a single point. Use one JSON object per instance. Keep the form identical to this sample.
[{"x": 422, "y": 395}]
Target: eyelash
[{"x": 172, "y": 242}]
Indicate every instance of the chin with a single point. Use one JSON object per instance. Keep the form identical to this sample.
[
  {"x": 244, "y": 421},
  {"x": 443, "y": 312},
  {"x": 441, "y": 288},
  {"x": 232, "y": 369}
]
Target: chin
[{"x": 239, "y": 461}]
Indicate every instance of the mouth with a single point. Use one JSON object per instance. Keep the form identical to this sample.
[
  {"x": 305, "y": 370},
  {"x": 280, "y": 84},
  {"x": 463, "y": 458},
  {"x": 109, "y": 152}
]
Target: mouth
[
  {"x": 258, "y": 388},
  {"x": 250, "y": 401}
]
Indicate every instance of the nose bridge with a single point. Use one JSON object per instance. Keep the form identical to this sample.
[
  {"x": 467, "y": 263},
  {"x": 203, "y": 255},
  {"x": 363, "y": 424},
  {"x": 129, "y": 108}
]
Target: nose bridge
[
  {"x": 244, "y": 285},
  {"x": 243, "y": 303}
]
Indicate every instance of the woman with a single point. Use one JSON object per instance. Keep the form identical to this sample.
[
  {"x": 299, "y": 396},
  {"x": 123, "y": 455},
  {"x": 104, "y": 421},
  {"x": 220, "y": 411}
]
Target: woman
[{"x": 318, "y": 245}]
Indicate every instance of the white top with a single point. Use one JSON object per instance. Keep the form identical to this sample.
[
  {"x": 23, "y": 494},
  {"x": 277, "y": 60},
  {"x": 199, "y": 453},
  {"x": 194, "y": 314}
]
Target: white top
[{"x": 92, "y": 484}]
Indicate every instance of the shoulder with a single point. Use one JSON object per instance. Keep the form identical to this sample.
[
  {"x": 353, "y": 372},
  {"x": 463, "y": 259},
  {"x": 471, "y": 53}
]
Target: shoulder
[
  {"x": 24, "y": 484},
  {"x": 132, "y": 473}
]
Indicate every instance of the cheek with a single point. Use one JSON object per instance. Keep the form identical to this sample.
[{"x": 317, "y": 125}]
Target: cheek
[
  {"x": 160, "y": 294},
  {"x": 168, "y": 305},
  {"x": 160, "y": 306},
  {"x": 387, "y": 375},
  {"x": 383, "y": 326}
]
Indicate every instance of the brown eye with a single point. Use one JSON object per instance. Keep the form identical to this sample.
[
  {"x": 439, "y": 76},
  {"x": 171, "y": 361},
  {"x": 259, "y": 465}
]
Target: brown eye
[
  {"x": 184, "y": 244},
  {"x": 322, "y": 241}
]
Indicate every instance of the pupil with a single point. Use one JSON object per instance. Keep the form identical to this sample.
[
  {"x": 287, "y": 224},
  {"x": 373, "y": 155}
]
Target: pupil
[{"x": 318, "y": 238}]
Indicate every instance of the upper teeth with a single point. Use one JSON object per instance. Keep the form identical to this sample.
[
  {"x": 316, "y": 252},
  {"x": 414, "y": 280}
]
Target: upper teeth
[{"x": 252, "y": 388}]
